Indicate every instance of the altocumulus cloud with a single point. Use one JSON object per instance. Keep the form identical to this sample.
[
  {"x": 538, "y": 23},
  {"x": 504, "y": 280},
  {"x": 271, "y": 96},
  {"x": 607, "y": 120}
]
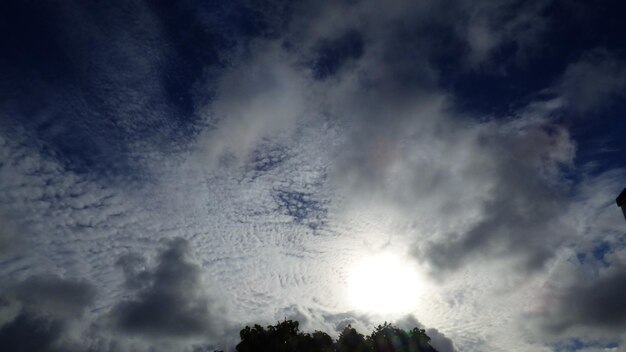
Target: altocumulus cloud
[{"x": 205, "y": 165}]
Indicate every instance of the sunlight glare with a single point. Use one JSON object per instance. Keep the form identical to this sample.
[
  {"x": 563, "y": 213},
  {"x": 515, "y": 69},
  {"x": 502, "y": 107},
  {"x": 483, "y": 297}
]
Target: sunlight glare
[{"x": 383, "y": 284}]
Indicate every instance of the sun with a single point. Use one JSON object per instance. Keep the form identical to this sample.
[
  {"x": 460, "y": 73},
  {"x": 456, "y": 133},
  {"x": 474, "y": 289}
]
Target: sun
[{"x": 383, "y": 284}]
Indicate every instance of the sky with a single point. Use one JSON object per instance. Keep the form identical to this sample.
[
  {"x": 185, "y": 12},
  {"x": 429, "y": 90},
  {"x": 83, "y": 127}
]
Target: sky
[{"x": 173, "y": 171}]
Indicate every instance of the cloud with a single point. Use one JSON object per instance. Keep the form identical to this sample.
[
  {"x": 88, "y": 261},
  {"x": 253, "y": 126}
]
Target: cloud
[
  {"x": 361, "y": 57},
  {"x": 40, "y": 314},
  {"x": 66, "y": 64},
  {"x": 588, "y": 300},
  {"x": 522, "y": 201},
  {"x": 405, "y": 147},
  {"x": 270, "y": 103},
  {"x": 27, "y": 333},
  {"x": 347, "y": 141},
  {"x": 440, "y": 341},
  {"x": 598, "y": 303},
  {"x": 10, "y": 243},
  {"x": 170, "y": 299},
  {"x": 490, "y": 28},
  {"x": 51, "y": 295},
  {"x": 593, "y": 82},
  {"x": 332, "y": 55},
  {"x": 333, "y": 323},
  {"x": 464, "y": 186}
]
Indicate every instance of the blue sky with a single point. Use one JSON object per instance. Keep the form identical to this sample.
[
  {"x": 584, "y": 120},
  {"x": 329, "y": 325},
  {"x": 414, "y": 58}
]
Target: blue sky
[{"x": 222, "y": 163}]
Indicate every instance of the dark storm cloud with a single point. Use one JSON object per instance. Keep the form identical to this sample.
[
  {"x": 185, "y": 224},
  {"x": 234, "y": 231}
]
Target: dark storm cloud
[
  {"x": 170, "y": 300},
  {"x": 44, "y": 307}
]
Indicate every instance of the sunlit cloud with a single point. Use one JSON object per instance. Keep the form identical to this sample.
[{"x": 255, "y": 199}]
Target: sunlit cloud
[{"x": 451, "y": 166}]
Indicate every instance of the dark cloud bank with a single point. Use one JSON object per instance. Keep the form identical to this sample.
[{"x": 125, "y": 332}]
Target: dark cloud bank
[
  {"x": 38, "y": 312},
  {"x": 167, "y": 301}
]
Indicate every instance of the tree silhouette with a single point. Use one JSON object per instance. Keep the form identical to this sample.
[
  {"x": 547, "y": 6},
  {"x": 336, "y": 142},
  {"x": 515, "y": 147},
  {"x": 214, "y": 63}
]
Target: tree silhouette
[
  {"x": 351, "y": 341},
  {"x": 282, "y": 337},
  {"x": 388, "y": 338},
  {"x": 285, "y": 336}
]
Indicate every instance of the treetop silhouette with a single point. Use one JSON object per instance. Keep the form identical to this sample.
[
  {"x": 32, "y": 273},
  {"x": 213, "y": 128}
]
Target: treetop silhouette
[{"x": 285, "y": 336}]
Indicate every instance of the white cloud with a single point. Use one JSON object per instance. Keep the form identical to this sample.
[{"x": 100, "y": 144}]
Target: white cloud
[
  {"x": 328, "y": 171},
  {"x": 593, "y": 82}
]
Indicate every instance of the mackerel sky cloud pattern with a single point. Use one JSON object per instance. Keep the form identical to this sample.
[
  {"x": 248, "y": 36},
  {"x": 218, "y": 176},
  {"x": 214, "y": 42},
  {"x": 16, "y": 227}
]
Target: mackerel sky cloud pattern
[{"x": 217, "y": 164}]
